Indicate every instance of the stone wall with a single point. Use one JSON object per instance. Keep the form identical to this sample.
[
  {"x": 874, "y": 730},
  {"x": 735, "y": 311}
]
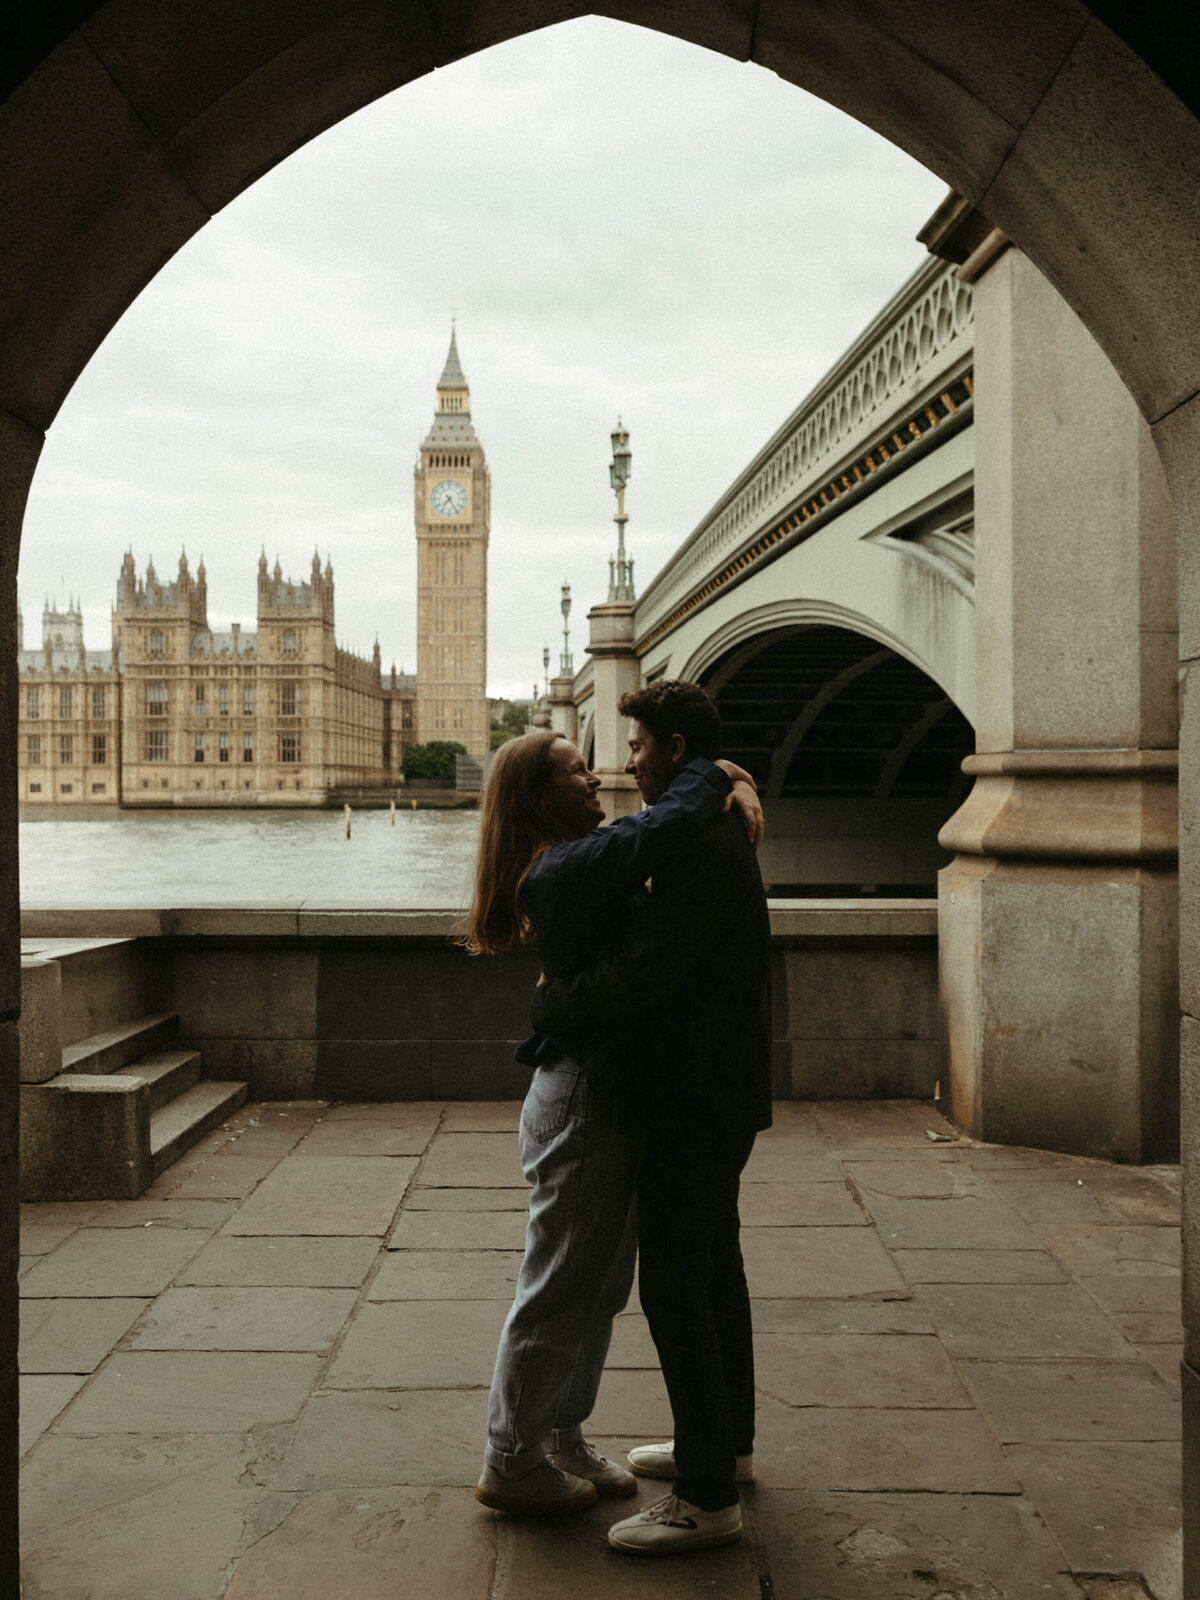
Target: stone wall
[{"x": 384, "y": 1005}]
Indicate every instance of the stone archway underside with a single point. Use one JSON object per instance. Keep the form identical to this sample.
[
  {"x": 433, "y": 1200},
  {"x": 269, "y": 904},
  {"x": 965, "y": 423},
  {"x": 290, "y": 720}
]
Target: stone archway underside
[
  {"x": 132, "y": 123},
  {"x": 857, "y": 754}
]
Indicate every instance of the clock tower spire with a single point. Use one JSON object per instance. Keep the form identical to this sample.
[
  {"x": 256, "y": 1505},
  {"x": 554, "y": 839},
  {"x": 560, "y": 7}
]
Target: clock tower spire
[{"x": 453, "y": 519}]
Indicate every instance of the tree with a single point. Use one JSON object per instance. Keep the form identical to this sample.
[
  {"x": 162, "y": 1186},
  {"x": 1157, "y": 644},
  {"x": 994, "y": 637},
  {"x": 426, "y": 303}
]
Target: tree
[
  {"x": 513, "y": 723},
  {"x": 433, "y": 760}
]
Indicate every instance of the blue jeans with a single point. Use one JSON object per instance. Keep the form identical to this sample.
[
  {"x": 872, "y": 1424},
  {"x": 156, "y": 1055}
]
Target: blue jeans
[{"x": 580, "y": 1249}]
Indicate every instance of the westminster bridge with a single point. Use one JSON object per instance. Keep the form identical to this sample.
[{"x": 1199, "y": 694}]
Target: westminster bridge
[{"x": 827, "y": 602}]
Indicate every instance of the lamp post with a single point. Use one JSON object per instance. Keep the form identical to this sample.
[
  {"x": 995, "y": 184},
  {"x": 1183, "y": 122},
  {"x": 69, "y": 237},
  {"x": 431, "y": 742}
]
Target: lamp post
[
  {"x": 546, "y": 673},
  {"x": 620, "y": 570},
  {"x": 566, "y": 665}
]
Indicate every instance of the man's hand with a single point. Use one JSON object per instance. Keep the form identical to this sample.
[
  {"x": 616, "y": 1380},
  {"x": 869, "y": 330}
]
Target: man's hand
[{"x": 745, "y": 797}]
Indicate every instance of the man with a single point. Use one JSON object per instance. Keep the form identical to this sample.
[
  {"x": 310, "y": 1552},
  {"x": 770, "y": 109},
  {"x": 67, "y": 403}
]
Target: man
[{"x": 684, "y": 1006}]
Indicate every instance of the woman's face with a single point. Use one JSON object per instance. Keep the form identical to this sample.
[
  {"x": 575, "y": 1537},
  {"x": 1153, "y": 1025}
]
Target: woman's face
[{"x": 572, "y": 800}]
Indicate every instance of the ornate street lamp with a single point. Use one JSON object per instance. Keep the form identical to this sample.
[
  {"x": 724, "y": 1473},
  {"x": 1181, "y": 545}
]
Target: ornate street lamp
[
  {"x": 620, "y": 570},
  {"x": 546, "y": 671},
  {"x": 566, "y": 665}
]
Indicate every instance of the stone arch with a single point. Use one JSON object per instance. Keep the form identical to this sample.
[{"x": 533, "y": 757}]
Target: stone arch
[
  {"x": 857, "y": 753},
  {"x": 125, "y": 128},
  {"x": 763, "y": 622}
]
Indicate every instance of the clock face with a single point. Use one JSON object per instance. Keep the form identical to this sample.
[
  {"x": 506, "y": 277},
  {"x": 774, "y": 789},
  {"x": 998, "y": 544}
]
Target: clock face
[{"x": 448, "y": 498}]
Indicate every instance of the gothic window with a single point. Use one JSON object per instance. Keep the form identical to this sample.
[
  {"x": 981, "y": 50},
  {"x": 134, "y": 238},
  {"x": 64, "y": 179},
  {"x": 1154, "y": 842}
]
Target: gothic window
[
  {"x": 289, "y": 699},
  {"x": 156, "y": 643},
  {"x": 406, "y": 714},
  {"x": 156, "y": 744},
  {"x": 31, "y": 703},
  {"x": 99, "y": 750},
  {"x": 223, "y": 748},
  {"x": 199, "y": 753},
  {"x": 199, "y": 699},
  {"x": 156, "y": 701},
  {"x": 247, "y": 700},
  {"x": 223, "y": 699},
  {"x": 289, "y": 747},
  {"x": 458, "y": 714},
  {"x": 66, "y": 749},
  {"x": 247, "y": 747},
  {"x": 65, "y": 698},
  {"x": 289, "y": 642},
  {"x": 98, "y": 708},
  {"x": 35, "y": 750}
]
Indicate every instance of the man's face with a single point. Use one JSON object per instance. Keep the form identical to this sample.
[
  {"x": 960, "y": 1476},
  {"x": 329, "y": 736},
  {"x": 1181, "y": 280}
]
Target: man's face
[{"x": 651, "y": 765}]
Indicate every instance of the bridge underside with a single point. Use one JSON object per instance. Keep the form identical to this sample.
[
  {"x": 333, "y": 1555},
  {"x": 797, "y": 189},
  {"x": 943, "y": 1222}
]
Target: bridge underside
[{"x": 858, "y": 755}]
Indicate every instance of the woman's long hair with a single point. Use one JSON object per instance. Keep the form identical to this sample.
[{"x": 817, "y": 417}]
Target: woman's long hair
[{"x": 515, "y": 828}]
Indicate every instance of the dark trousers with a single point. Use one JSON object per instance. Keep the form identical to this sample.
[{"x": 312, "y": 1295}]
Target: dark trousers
[{"x": 693, "y": 1291}]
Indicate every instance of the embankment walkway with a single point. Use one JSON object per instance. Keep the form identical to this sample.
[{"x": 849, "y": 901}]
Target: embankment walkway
[{"x": 266, "y": 1379}]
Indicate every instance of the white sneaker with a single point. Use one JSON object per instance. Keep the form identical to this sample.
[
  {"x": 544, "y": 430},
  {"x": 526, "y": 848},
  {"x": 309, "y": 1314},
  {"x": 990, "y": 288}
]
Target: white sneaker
[
  {"x": 658, "y": 1461},
  {"x": 544, "y": 1491},
  {"x": 672, "y": 1525},
  {"x": 611, "y": 1479}
]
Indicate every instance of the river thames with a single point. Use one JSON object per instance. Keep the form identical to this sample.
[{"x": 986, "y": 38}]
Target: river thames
[{"x": 95, "y": 857}]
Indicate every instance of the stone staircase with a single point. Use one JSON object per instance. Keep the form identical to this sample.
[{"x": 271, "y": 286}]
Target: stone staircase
[{"x": 126, "y": 1102}]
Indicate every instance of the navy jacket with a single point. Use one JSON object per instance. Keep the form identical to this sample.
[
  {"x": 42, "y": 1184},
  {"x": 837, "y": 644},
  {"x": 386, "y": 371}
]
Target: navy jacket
[
  {"x": 579, "y": 895},
  {"x": 683, "y": 1007}
]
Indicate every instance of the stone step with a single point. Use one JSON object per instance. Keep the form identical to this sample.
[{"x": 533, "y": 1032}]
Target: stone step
[
  {"x": 115, "y": 1048},
  {"x": 168, "y": 1072},
  {"x": 182, "y": 1123}
]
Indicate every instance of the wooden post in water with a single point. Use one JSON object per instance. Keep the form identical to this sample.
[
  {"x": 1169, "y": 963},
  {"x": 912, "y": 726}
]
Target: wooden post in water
[
  {"x": 414, "y": 804},
  {"x": 347, "y": 821},
  {"x": 392, "y": 809}
]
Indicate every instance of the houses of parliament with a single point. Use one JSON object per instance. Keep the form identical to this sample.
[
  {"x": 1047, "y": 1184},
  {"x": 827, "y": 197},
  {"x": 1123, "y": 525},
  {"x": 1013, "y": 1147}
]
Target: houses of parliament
[{"x": 175, "y": 714}]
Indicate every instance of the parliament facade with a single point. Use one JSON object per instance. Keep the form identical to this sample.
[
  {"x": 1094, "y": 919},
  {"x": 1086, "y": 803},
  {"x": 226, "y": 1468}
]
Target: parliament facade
[{"x": 174, "y": 714}]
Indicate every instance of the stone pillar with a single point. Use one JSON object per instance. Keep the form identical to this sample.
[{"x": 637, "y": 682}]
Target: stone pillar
[
  {"x": 19, "y": 448},
  {"x": 618, "y": 672},
  {"x": 562, "y": 707},
  {"x": 1058, "y": 919}
]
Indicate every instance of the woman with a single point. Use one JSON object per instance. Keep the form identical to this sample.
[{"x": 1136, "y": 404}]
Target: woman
[{"x": 547, "y": 870}]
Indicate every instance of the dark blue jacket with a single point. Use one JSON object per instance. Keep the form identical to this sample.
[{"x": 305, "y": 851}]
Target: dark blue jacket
[
  {"x": 683, "y": 1006},
  {"x": 579, "y": 895}
]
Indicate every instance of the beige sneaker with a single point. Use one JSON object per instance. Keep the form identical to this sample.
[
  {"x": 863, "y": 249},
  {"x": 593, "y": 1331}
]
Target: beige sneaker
[
  {"x": 658, "y": 1461},
  {"x": 671, "y": 1526},
  {"x": 611, "y": 1480},
  {"x": 543, "y": 1491}
]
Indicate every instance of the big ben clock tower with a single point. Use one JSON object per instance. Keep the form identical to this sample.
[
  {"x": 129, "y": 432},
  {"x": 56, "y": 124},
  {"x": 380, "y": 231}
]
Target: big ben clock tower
[{"x": 453, "y": 515}]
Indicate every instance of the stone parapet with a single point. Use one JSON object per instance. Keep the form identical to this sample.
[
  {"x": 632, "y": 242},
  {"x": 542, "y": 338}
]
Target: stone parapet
[{"x": 363, "y": 1002}]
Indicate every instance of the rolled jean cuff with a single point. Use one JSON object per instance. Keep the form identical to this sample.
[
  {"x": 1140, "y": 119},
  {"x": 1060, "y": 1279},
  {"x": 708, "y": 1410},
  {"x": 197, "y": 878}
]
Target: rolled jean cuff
[
  {"x": 522, "y": 1461},
  {"x": 566, "y": 1438}
]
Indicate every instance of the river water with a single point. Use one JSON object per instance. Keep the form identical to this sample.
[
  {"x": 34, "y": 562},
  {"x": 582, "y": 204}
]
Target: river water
[{"x": 99, "y": 857}]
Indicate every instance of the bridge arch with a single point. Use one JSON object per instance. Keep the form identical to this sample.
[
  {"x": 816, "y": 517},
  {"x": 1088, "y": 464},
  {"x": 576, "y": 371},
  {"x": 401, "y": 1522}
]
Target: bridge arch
[
  {"x": 750, "y": 630},
  {"x": 856, "y": 749}
]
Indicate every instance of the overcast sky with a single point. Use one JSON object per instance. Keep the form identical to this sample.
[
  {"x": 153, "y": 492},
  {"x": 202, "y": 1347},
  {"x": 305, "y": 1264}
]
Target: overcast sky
[{"x": 622, "y": 223}]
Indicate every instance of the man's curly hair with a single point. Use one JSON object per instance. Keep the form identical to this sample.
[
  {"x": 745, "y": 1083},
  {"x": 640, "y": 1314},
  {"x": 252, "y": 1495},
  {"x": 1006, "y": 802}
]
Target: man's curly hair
[{"x": 671, "y": 706}]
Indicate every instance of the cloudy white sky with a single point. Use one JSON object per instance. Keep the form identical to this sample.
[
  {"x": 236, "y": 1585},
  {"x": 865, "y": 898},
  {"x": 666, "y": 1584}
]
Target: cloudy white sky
[{"x": 621, "y": 222}]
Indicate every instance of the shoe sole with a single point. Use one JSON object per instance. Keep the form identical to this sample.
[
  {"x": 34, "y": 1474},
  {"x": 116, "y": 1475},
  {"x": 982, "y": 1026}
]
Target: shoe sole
[
  {"x": 708, "y": 1541},
  {"x": 665, "y": 1473},
  {"x": 527, "y": 1508}
]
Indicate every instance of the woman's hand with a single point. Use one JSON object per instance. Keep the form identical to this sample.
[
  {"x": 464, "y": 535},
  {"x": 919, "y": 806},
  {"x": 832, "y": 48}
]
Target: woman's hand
[{"x": 745, "y": 797}]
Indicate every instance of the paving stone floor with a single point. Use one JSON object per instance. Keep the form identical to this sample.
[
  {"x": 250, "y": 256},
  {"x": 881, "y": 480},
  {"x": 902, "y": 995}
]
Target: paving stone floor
[{"x": 267, "y": 1379}]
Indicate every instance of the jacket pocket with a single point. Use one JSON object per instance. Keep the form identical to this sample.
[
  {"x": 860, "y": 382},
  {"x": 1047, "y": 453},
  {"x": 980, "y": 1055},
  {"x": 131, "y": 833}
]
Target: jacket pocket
[{"x": 548, "y": 1103}]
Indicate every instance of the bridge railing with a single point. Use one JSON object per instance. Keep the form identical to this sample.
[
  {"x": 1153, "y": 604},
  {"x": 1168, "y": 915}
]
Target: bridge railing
[{"x": 921, "y": 342}]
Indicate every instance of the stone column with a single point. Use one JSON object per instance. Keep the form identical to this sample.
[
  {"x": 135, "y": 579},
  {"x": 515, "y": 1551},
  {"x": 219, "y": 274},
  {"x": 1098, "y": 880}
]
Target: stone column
[
  {"x": 562, "y": 707},
  {"x": 618, "y": 672},
  {"x": 1058, "y": 919}
]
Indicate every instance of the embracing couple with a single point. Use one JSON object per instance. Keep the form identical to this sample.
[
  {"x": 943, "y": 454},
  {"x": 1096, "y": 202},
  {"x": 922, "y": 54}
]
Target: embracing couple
[{"x": 651, "y": 1079}]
